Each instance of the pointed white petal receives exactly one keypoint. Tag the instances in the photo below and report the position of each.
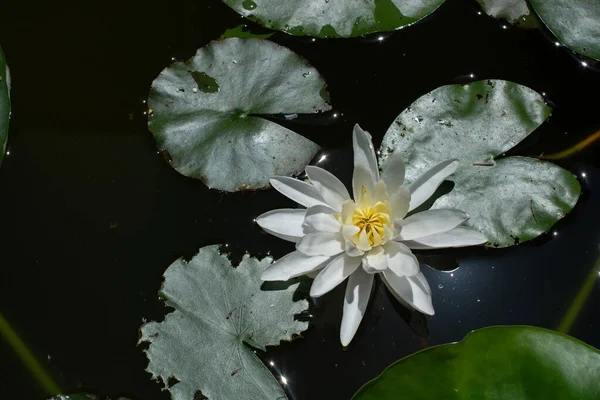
(293, 265)
(348, 231)
(400, 202)
(361, 177)
(428, 223)
(375, 260)
(461, 236)
(285, 223)
(356, 300)
(393, 176)
(329, 187)
(400, 259)
(321, 244)
(333, 274)
(321, 219)
(352, 250)
(425, 185)
(297, 190)
(364, 152)
(380, 192)
(411, 290)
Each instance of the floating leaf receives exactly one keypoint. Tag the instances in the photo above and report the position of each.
(510, 200)
(514, 11)
(241, 31)
(334, 18)
(206, 113)
(576, 23)
(83, 396)
(508, 363)
(219, 309)
(4, 103)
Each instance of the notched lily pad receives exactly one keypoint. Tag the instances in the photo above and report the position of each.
(334, 18)
(203, 346)
(508, 363)
(206, 113)
(4, 103)
(510, 200)
(576, 23)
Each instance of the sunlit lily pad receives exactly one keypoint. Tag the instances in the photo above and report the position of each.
(220, 313)
(207, 113)
(4, 103)
(508, 363)
(514, 11)
(576, 23)
(510, 200)
(334, 18)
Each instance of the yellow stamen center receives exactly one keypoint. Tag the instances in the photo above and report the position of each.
(371, 221)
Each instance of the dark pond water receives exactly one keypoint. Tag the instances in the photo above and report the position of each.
(92, 215)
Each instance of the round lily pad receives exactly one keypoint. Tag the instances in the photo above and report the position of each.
(515, 12)
(510, 200)
(334, 18)
(576, 23)
(508, 363)
(207, 114)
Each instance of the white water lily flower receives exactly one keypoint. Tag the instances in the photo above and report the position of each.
(356, 239)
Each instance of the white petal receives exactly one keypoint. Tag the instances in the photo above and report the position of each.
(364, 152)
(400, 259)
(361, 177)
(352, 250)
(400, 202)
(393, 176)
(321, 244)
(285, 223)
(411, 290)
(427, 223)
(380, 192)
(329, 187)
(461, 236)
(297, 190)
(293, 265)
(375, 260)
(357, 296)
(334, 273)
(321, 218)
(348, 231)
(425, 185)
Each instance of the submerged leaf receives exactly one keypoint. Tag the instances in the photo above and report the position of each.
(219, 310)
(206, 113)
(510, 200)
(334, 18)
(576, 23)
(4, 103)
(508, 363)
(83, 396)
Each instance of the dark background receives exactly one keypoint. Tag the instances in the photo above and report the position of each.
(92, 215)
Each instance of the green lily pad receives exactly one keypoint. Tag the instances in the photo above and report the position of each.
(510, 200)
(576, 23)
(4, 104)
(508, 363)
(334, 18)
(515, 12)
(83, 396)
(241, 31)
(219, 312)
(207, 113)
